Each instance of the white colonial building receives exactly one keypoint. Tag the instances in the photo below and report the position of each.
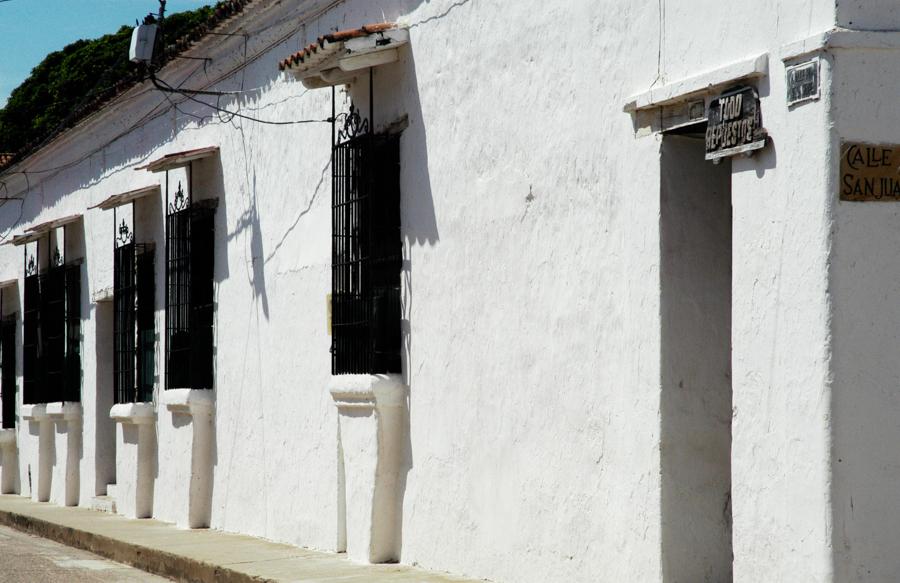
(526, 291)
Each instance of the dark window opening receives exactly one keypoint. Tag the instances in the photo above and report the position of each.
(190, 296)
(52, 335)
(146, 323)
(366, 255)
(133, 324)
(8, 370)
(31, 345)
(71, 388)
(53, 327)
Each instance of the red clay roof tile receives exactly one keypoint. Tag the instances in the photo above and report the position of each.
(334, 37)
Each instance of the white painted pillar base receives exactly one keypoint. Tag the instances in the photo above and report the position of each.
(135, 458)
(193, 408)
(9, 463)
(372, 429)
(42, 426)
(66, 422)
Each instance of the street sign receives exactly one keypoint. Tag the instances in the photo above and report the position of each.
(734, 124)
(870, 172)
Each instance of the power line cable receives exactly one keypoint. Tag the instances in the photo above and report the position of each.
(155, 112)
(165, 87)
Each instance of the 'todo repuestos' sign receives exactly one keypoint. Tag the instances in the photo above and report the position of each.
(870, 172)
(734, 124)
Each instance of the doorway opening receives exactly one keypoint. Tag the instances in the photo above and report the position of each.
(105, 428)
(695, 409)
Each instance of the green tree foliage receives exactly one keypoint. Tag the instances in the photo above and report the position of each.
(66, 81)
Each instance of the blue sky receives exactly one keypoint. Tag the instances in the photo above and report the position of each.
(29, 29)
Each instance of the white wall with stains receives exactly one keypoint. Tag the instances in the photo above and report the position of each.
(864, 275)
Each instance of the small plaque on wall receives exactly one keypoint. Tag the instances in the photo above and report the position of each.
(870, 172)
(734, 124)
(802, 82)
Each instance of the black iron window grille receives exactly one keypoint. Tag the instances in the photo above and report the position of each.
(8, 370)
(51, 343)
(189, 293)
(53, 327)
(32, 383)
(71, 388)
(146, 323)
(134, 330)
(61, 332)
(366, 250)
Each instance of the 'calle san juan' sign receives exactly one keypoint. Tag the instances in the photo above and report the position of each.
(734, 124)
(870, 172)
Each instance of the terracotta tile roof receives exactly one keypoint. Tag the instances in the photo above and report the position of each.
(35, 232)
(46, 226)
(321, 43)
(179, 159)
(224, 10)
(126, 197)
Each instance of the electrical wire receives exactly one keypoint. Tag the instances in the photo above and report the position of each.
(155, 111)
(226, 74)
(165, 87)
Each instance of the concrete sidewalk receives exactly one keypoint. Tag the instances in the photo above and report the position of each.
(196, 555)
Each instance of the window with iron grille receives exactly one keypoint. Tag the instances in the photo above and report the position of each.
(32, 382)
(366, 251)
(8, 370)
(189, 296)
(53, 328)
(52, 335)
(72, 381)
(133, 323)
(146, 323)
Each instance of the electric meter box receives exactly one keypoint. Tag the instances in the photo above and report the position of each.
(143, 38)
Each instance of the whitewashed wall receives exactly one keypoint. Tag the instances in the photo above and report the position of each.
(865, 278)
(531, 284)
(781, 346)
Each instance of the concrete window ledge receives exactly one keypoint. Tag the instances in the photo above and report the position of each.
(363, 391)
(188, 401)
(7, 438)
(190, 429)
(33, 412)
(59, 450)
(133, 413)
(373, 428)
(64, 411)
(9, 471)
(136, 457)
(102, 295)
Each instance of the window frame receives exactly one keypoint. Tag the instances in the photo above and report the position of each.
(51, 354)
(366, 250)
(190, 290)
(134, 316)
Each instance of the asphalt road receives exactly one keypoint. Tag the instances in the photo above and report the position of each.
(30, 559)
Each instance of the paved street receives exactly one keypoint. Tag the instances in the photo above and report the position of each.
(29, 559)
